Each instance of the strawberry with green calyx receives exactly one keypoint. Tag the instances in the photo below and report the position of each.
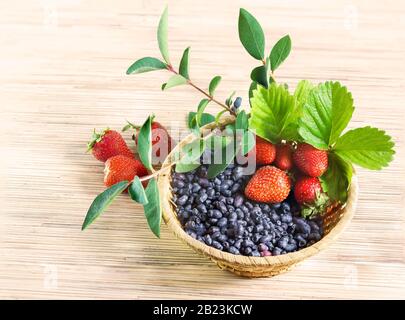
(121, 168)
(309, 194)
(269, 184)
(107, 144)
(310, 161)
(284, 160)
(264, 151)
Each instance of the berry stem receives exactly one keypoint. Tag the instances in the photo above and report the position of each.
(211, 98)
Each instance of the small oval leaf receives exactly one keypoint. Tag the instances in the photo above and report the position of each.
(259, 75)
(144, 143)
(200, 110)
(102, 201)
(280, 52)
(242, 121)
(162, 35)
(183, 69)
(145, 65)
(251, 34)
(174, 81)
(137, 192)
(221, 159)
(248, 142)
(214, 84)
(182, 167)
(153, 209)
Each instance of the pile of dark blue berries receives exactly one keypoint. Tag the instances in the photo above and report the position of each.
(216, 213)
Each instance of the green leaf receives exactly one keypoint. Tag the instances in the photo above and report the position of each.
(280, 52)
(200, 110)
(191, 152)
(259, 75)
(251, 34)
(368, 147)
(217, 141)
(327, 111)
(214, 84)
(181, 167)
(145, 65)
(242, 121)
(137, 192)
(153, 209)
(162, 35)
(102, 201)
(302, 91)
(229, 100)
(222, 158)
(274, 113)
(145, 144)
(174, 81)
(183, 69)
(336, 180)
(248, 142)
(206, 118)
(253, 86)
(219, 115)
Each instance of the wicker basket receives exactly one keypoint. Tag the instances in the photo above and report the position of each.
(334, 223)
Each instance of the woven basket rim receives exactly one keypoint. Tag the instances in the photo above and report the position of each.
(170, 218)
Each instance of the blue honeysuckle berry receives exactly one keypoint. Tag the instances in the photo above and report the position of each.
(237, 103)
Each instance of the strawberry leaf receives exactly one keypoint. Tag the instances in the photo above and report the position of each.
(336, 180)
(183, 69)
(162, 35)
(251, 34)
(153, 209)
(368, 147)
(102, 201)
(327, 111)
(145, 144)
(274, 113)
(280, 52)
(145, 65)
(137, 192)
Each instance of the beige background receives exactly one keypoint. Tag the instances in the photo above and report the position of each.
(62, 72)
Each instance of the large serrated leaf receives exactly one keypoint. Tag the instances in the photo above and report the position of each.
(145, 65)
(102, 201)
(336, 180)
(274, 113)
(368, 147)
(326, 113)
(153, 209)
(251, 34)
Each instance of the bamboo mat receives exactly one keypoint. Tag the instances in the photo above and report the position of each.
(63, 73)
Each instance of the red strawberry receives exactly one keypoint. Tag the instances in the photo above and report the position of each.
(265, 151)
(307, 189)
(108, 144)
(308, 192)
(121, 168)
(284, 159)
(161, 136)
(311, 161)
(269, 184)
